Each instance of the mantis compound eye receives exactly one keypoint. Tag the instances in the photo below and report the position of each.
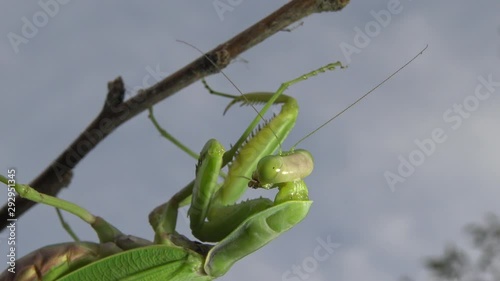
(275, 169)
(269, 169)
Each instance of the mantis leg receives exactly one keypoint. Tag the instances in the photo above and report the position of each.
(176, 142)
(170, 137)
(163, 218)
(104, 230)
(66, 226)
(54, 261)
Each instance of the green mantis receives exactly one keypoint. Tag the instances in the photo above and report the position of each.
(233, 229)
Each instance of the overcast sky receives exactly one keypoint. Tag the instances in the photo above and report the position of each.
(432, 129)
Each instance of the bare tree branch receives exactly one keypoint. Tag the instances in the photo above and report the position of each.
(116, 112)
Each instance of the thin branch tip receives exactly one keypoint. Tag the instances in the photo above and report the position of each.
(116, 93)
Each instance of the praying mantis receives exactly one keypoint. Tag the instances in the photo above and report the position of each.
(229, 230)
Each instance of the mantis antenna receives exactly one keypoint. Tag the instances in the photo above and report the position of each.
(360, 98)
